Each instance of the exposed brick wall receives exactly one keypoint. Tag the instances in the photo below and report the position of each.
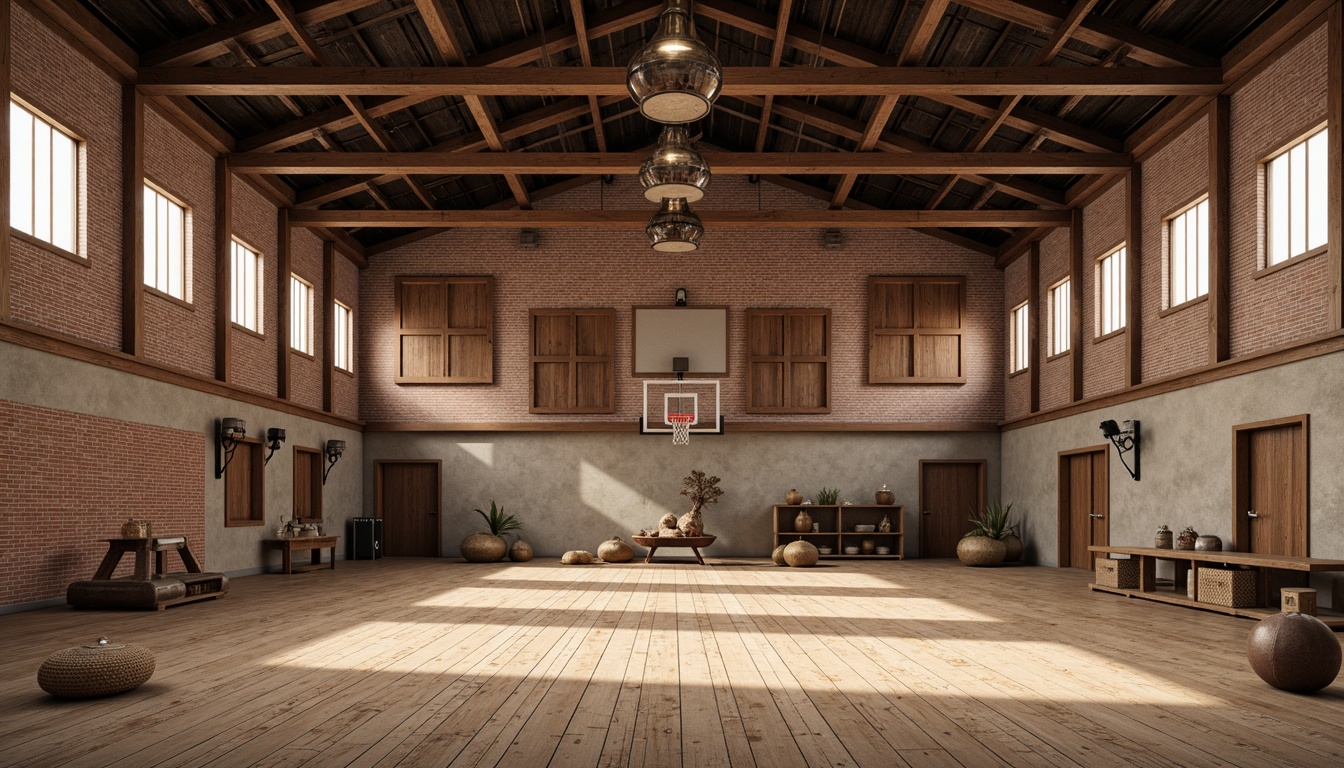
(1054, 268)
(254, 220)
(68, 480)
(1287, 98)
(305, 374)
(1103, 229)
(184, 337)
(1172, 178)
(1017, 394)
(345, 386)
(79, 299)
(741, 269)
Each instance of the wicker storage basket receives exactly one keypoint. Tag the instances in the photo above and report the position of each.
(1121, 574)
(1226, 587)
(96, 669)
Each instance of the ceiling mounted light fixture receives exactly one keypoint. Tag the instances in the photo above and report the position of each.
(675, 78)
(674, 228)
(674, 169)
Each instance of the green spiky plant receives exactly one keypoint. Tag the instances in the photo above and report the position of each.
(499, 522)
(995, 521)
(828, 496)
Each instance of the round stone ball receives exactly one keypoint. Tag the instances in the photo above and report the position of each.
(778, 555)
(801, 554)
(100, 668)
(1294, 652)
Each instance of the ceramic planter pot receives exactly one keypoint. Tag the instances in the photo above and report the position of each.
(520, 552)
(981, 551)
(484, 548)
(803, 522)
(1015, 548)
(793, 498)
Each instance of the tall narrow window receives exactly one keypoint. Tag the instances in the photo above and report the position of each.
(247, 286)
(1061, 329)
(1296, 200)
(300, 315)
(1020, 341)
(343, 324)
(1188, 254)
(43, 179)
(1111, 291)
(165, 244)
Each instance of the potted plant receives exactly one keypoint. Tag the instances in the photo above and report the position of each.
(828, 496)
(991, 537)
(490, 547)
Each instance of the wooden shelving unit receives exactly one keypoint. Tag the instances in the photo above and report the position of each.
(837, 528)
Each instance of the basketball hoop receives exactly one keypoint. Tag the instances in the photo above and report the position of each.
(681, 427)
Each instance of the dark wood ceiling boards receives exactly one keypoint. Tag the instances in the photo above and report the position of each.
(989, 108)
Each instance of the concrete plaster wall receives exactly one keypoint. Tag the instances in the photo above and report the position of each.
(51, 381)
(1187, 452)
(573, 490)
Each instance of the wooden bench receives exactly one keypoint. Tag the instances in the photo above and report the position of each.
(1187, 564)
(314, 544)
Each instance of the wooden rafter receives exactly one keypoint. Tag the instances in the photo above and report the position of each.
(249, 29)
(610, 81)
(741, 163)
(776, 55)
(774, 220)
(586, 56)
(913, 50)
(450, 48)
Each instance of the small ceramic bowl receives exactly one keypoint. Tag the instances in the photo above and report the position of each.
(865, 528)
(884, 550)
(824, 550)
(851, 550)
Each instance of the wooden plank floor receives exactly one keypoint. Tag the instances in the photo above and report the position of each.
(859, 663)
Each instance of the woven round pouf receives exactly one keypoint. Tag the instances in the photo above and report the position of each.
(97, 669)
(1294, 652)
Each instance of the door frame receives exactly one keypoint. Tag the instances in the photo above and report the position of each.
(438, 495)
(1241, 443)
(1064, 525)
(980, 494)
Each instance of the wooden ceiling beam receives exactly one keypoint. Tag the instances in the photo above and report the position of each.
(586, 56)
(773, 220)
(743, 163)
(911, 53)
(776, 55)
(610, 81)
(80, 23)
(250, 29)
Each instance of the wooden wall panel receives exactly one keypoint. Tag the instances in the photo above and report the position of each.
(788, 362)
(573, 361)
(915, 330)
(446, 327)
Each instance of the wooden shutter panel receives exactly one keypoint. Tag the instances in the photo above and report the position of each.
(916, 330)
(445, 330)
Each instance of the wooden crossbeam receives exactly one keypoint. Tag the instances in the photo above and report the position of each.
(744, 163)
(770, 219)
(610, 81)
(249, 29)
(586, 56)
(776, 55)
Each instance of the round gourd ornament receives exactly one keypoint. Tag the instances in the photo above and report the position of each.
(801, 554)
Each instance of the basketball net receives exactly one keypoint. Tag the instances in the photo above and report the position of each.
(681, 427)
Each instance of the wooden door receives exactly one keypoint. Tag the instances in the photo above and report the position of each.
(1084, 505)
(949, 493)
(1270, 512)
(408, 503)
(307, 485)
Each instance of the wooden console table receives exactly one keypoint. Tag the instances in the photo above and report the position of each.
(654, 542)
(1188, 562)
(314, 544)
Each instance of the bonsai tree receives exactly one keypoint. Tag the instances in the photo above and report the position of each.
(701, 490)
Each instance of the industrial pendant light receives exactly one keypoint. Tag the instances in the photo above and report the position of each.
(674, 169)
(675, 78)
(674, 228)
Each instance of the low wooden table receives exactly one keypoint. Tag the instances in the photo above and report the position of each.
(654, 542)
(1188, 562)
(159, 545)
(314, 544)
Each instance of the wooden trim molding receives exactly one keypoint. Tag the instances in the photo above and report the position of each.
(1327, 344)
(5, 60)
(1034, 327)
(1133, 277)
(630, 426)
(133, 221)
(43, 340)
(223, 269)
(1076, 288)
(284, 268)
(1335, 162)
(328, 322)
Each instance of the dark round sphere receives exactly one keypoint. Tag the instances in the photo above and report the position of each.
(1294, 652)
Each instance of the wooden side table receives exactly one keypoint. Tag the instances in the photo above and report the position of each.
(313, 544)
(159, 545)
(654, 542)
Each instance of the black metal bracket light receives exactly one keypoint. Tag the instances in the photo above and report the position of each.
(1125, 437)
(274, 437)
(332, 453)
(227, 434)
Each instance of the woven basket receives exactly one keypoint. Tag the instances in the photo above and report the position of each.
(1121, 574)
(96, 669)
(1226, 587)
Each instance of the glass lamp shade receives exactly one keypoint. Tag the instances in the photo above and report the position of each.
(675, 78)
(674, 169)
(674, 228)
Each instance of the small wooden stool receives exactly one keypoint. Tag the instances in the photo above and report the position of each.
(1298, 600)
